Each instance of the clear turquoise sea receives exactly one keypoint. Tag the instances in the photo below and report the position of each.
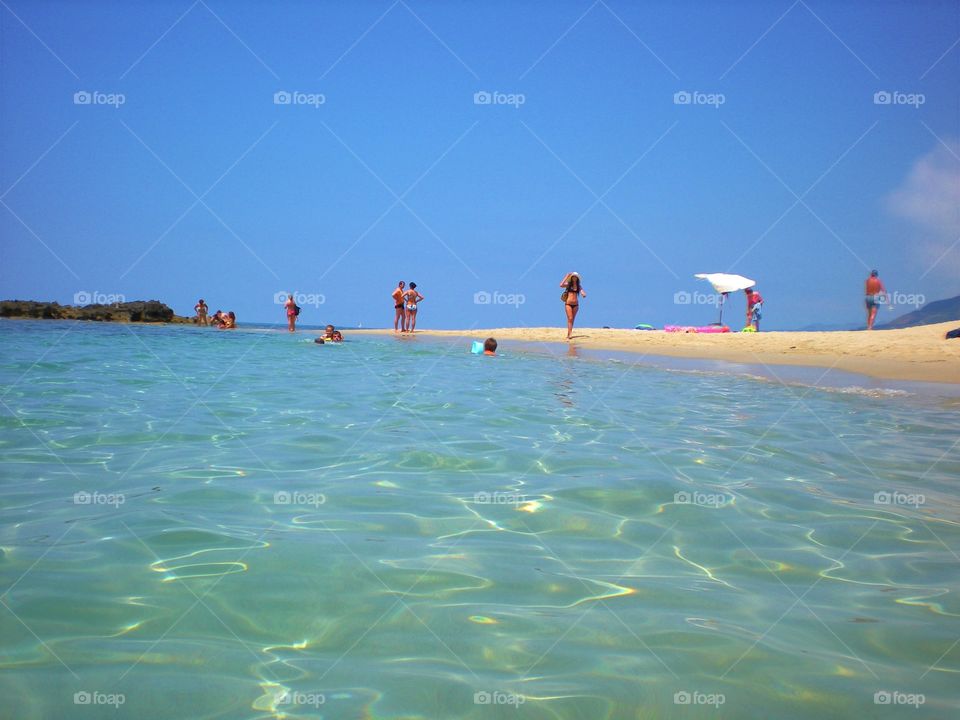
(203, 524)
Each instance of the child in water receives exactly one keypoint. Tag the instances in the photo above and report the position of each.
(489, 347)
(330, 334)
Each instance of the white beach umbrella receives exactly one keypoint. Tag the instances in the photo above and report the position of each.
(725, 283)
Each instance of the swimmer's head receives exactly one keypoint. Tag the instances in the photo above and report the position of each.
(490, 345)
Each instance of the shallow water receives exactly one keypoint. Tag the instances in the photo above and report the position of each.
(246, 525)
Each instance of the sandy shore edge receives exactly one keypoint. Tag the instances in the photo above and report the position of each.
(911, 354)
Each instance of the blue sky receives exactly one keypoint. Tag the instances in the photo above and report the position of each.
(783, 167)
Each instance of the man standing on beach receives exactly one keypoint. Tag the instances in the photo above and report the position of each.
(399, 317)
(873, 296)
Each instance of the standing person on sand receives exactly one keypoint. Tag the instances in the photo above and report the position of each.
(571, 295)
(410, 300)
(292, 309)
(754, 308)
(873, 295)
(201, 309)
(399, 318)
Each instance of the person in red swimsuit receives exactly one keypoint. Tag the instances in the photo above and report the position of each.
(291, 307)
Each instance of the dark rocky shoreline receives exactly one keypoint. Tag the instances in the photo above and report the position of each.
(144, 311)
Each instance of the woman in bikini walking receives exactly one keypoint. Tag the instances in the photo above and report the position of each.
(571, 295)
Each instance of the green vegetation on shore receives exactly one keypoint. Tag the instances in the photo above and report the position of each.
(149, 311)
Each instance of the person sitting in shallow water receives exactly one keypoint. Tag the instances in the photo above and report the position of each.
(217, 320)
(331, 334)
(229, 322)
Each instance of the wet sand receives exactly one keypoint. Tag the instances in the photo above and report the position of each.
(914, 354)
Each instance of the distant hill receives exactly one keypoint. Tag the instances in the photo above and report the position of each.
(935, 312)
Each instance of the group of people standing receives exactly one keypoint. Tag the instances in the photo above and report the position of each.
(219, 320)
(405, 302)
